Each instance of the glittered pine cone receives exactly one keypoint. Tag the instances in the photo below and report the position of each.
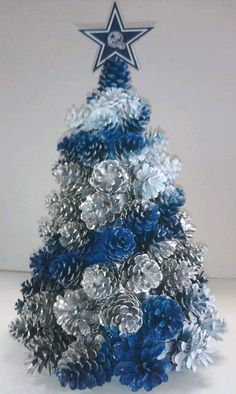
(76, 313)
(99, 281)
(140, 274)
(86, 363)
(121, 314)
(109, 177)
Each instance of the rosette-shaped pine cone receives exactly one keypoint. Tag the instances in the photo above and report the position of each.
(119, 244)
(73, 234)
(141, 361)
(163, 316)
(66, 268)
(38, 309)
(76, 313)
(121, 314)
(46, 349)
(99, 281)
(192, 348)
(149, 181)
(88, 148)
(86, 363)
(73, 179)
(61, 207)
(140, 274)
(177, 276)
(109, 177)
(99, 209)
(141, 217)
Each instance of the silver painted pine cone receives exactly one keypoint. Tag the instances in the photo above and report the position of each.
(47, 229)
(38, 308)
(109, 177)
(140, 274)
(99, 281)
(85, 348)
(99, 209)
(73, 234)
(61, 207)
(177, 275)
(73, 179)
(186, 224)
(122, 312)
(76, 314)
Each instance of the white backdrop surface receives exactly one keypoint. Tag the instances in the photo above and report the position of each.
(188, 73)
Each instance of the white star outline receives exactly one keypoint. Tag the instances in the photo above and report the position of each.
(115, 13)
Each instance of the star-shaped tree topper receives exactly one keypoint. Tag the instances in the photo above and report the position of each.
(115, 39)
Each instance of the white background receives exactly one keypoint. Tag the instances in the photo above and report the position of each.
(188, 73)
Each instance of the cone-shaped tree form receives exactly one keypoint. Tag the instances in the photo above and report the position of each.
(118, 287)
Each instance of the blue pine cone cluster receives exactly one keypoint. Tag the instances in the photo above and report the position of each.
(118, 287)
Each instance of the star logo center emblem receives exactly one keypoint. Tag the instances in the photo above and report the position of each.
(115, 39)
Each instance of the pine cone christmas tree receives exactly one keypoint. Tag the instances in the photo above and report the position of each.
(118, 287)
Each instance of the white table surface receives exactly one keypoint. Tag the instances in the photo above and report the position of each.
(219, 378)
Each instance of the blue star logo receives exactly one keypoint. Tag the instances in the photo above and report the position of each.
(115, 39)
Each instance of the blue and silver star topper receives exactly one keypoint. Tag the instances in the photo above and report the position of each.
(115, 39)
